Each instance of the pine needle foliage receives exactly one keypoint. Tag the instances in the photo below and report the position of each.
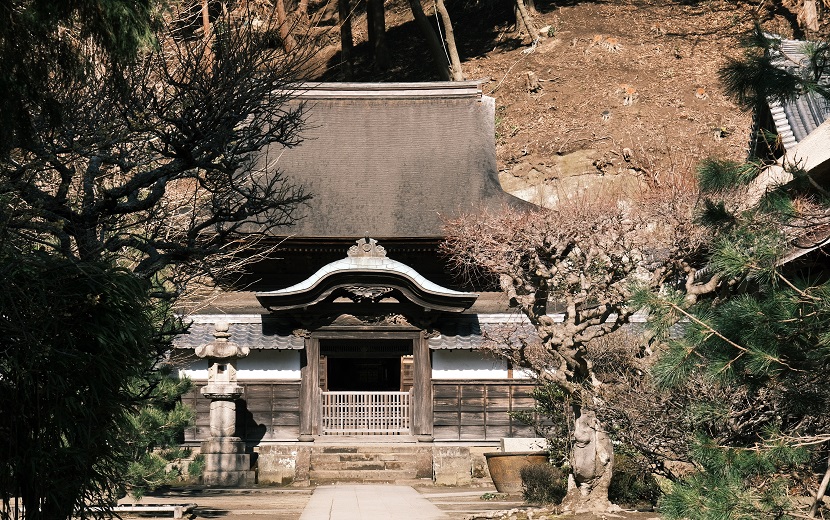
(724, 474)
(716, 175)
(766, 340)
(155, 433)
(760, 335)
(755, 78)
(80, 349)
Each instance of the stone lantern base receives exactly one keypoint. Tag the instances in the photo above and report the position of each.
(226, 463)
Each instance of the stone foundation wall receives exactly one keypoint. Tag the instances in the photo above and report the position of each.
(303, 464)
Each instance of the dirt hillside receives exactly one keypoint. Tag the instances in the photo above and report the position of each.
(627, 92)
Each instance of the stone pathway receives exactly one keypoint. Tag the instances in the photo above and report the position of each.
(369, 502)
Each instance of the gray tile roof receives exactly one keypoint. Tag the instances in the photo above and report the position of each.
(795, 120)
(466, 332)
(251, 335)
(470, 333)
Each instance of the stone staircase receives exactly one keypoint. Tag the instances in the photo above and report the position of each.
(370, 463)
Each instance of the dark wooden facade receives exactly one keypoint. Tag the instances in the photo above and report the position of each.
(268, 411)
(462, 410)
(480, 410)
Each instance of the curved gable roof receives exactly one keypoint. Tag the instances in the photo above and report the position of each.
(367, 274)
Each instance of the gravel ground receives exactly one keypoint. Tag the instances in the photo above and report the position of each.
(288, 503)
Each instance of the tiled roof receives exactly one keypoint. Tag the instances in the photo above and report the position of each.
(467, 332)
(471, 333)
(251, 335)
(794, 120)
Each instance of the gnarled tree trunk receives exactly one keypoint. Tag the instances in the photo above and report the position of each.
(288, 42)
(592, 463)
(436, 50)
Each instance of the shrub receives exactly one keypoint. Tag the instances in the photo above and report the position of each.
(632, 484)
(543, 483)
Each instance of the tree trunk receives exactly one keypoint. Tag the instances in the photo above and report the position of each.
(376, 20)
(528, 22)
(436, 50)
(207, 33)
(592, 463)
(288, 42)
(205, 20)
(370, 27)
(520, 24)
(346, 39)
(449, 37)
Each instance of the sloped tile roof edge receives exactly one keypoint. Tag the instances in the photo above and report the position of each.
(462, 332)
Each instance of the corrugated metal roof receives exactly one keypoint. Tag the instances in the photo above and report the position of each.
(794, 120)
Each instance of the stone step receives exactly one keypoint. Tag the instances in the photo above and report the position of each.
(372, 448)
(334, 458)
(366, 465)
(376, 476)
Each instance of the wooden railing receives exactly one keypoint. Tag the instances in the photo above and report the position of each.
(365, 413)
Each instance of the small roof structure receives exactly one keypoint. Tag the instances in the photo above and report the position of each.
(795, 120)
(392, 159)
(367, 275)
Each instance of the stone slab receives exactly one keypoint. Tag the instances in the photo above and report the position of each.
(369, 502)
(451, 466)
(228, 478)
(222, 445)
(510, 444)
(227, 462)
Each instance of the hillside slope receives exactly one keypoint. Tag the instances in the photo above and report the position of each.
(627, 92)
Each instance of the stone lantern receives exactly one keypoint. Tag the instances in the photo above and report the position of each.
(226, 463)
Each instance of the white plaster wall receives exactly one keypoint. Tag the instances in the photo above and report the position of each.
(259, 364)
(270, 364)
(466, 364)
(196, 369)
(521, 373)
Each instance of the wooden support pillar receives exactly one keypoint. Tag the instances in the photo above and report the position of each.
(422, 390)
(309, 389)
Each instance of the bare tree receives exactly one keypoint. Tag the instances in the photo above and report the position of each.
(157, 163)
(571, 272)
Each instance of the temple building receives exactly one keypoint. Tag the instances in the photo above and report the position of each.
(357, 332)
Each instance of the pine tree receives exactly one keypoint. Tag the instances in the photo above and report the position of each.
(763, 334)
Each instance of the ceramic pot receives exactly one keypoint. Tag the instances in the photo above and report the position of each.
(505, 467)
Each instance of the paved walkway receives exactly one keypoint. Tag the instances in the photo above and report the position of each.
(369, 502)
